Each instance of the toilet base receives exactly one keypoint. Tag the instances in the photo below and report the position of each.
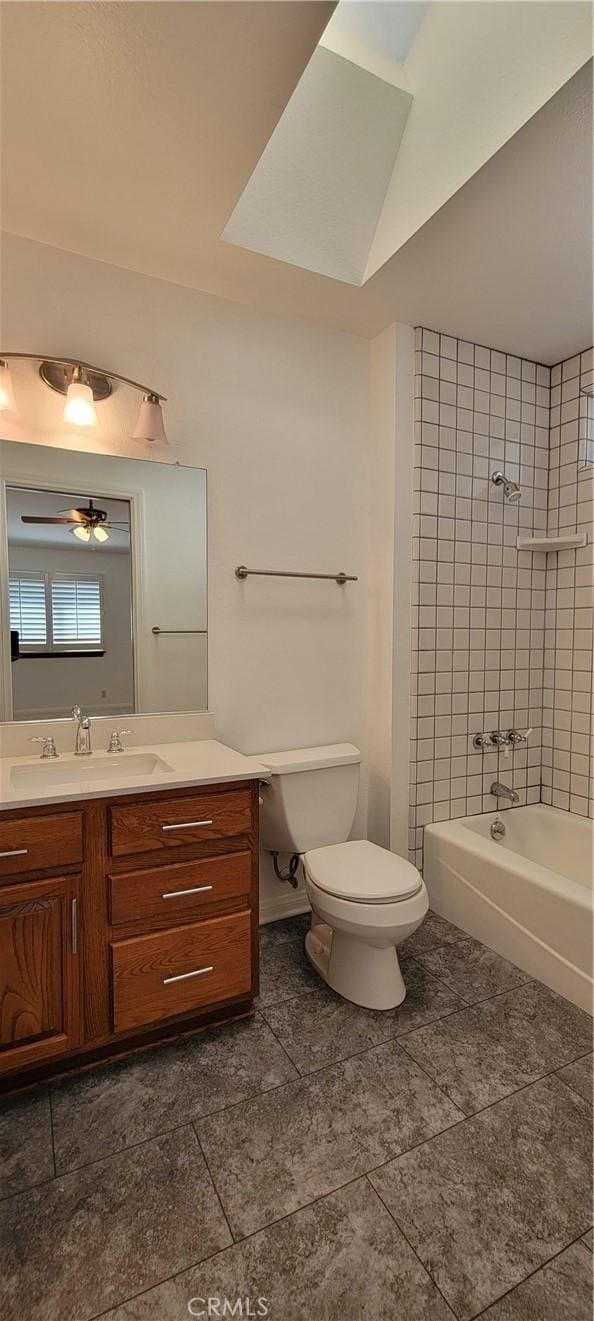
(366, 974)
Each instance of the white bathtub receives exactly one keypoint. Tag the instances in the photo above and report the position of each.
(528, 896)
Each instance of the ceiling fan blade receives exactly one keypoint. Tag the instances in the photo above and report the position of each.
(76, 515)
(31, 518)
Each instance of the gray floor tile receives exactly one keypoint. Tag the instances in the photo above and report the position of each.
(26, 1155)
(433, 932)
(588, 1239)
(342, 1259)
(273, 1155)
(563, 1288)
(88, 1240)
(321, 1028)
(472, 970)
(495, 1198)
(482, 1054)
(580, 1075)
(285, 970)
(129, 1101)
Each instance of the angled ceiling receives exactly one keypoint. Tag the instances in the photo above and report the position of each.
(130, 130)
(359, 161)
(317, 191)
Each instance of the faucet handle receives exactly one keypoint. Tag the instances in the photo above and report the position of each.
(49, 744)
(115, 740)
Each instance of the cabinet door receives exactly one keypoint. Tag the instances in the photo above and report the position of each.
(39, 977)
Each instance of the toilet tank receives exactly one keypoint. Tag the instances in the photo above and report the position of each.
(311, 798)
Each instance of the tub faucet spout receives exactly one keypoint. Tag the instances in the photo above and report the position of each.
(502, 791)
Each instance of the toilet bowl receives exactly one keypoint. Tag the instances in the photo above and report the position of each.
(365, 900)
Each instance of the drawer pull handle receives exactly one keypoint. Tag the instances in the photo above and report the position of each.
(14, 853)
(186, 825)
(196, 889)
(74, 925)
(183, 976)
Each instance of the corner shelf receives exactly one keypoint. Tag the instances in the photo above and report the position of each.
(548, 544)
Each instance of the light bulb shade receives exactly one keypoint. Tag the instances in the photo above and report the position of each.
(82, 532)
(100, 533)
(80, 406)
(7, 399)
(149, 425)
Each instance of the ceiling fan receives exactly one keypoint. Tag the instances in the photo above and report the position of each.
(89, 522)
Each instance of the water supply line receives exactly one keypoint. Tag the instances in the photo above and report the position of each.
(290, 874)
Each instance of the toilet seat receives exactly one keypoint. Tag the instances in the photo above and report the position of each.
(362, 872)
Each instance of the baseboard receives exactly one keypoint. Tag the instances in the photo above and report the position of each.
(286, 905)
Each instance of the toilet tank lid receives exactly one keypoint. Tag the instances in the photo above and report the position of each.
(310, 759)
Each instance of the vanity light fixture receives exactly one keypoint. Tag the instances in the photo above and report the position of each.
(84, 386)
(7, 399)
(80, 404)
(149, 424)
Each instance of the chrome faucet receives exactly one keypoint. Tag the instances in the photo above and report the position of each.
(502, 791)
(82, 739)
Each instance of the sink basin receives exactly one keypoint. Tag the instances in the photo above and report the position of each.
(87, 770)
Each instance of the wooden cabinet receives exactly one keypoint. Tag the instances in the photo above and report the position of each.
(33, 843)
(39, 971)
(180, 822)
(179, 891)
(123, 920)
(169, 973)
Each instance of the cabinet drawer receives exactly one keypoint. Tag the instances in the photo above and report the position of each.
(181, 890)
(172, 822)
(172, 972)
(29, 843)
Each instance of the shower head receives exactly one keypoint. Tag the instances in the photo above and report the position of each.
(511, 489)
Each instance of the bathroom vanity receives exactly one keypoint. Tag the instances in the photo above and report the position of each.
(128, 913)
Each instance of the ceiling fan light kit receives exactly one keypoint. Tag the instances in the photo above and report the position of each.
(84, 386)
(88, 523)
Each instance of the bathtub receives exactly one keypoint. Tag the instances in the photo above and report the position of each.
(528, 895)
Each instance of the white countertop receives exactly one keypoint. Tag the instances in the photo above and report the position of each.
(106, 774)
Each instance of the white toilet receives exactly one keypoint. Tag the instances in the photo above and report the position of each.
(365, 900)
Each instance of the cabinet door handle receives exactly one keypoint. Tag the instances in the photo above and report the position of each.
(74, 925)
(196, 889)
(186, 825)
(183, 976)
(14, 853)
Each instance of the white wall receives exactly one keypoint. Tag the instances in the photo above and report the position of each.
(275, 410)
(46, 687)
(390, 471)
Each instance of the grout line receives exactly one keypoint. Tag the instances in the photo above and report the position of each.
(216, 1191)
(476, 1315)
(28, 1188)
(52, 1135)
(422, 1264)
(203, 1261)
(551, 1073)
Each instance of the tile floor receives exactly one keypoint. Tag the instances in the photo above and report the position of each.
(425, 1164)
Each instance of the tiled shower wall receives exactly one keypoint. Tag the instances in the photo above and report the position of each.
(478, 603)
(478, 661)
(567, 715)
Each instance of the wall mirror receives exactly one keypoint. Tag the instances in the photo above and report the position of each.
(103, 584)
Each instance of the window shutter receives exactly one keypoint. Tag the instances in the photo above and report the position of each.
(76, 611)
(27, 608)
